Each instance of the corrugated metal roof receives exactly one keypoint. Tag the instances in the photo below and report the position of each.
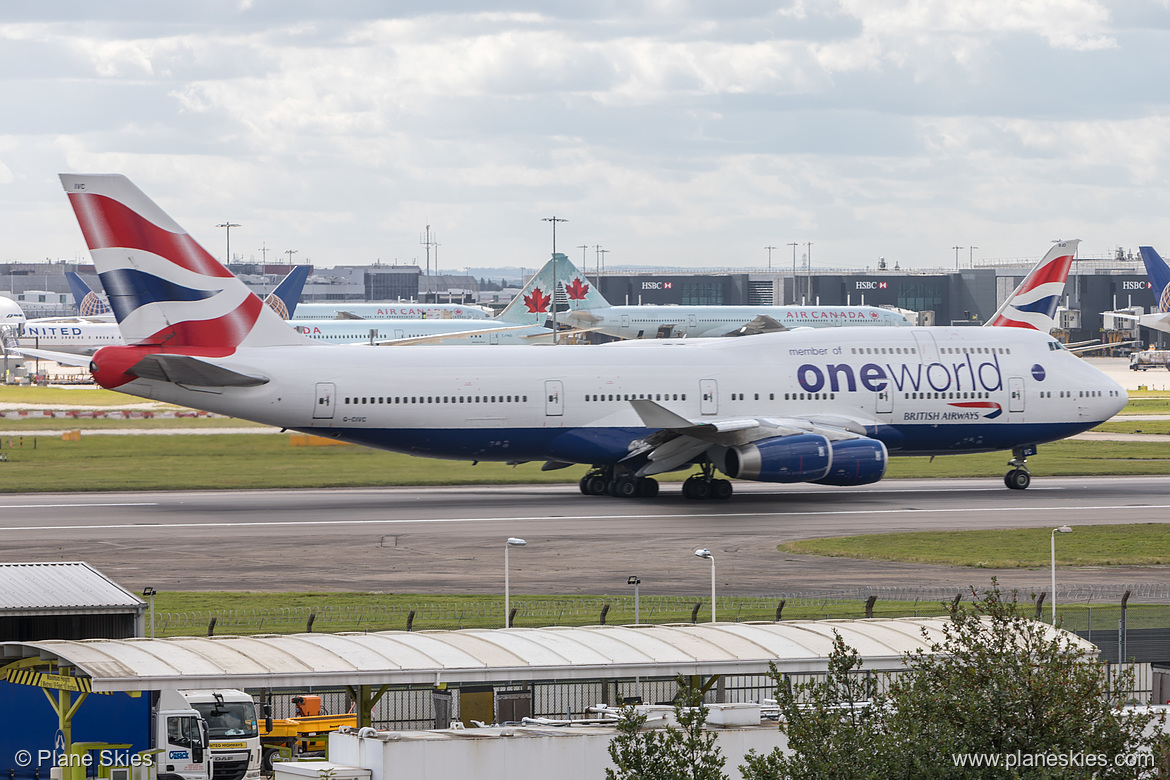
(483, 655)
(54, 588)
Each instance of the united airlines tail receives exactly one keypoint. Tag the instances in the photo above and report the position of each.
(165, 289)
(1159, 274)
(88, 303)
(1033, 304)
(533, 305)
(284, 299)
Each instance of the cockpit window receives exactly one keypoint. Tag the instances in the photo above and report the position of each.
(1056, 346)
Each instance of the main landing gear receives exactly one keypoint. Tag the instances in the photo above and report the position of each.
(1019, 477)
(699, 487)
(607, 480)
(600, 482)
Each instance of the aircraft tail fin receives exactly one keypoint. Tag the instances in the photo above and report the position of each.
(88, 303)
(1033, 304)
(533, 305)
(1159, 274)
(164, 288)
(284, 299)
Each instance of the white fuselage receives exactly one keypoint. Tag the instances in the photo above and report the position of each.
(919, 390)
(391, 310)
(81, 336)
(654, 321)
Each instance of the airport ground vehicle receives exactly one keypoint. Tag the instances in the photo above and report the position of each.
(1149, 358)
(98, 735)
(304, 734)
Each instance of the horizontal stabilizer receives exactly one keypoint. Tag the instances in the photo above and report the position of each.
(186, 370)
(761, 324)
(64, 358)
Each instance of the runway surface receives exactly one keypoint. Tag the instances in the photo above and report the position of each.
(450, 540)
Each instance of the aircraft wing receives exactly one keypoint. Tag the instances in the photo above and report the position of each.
(347, 315)
(761, 324)
(1093, 346)
(678, 440)
(187, 370)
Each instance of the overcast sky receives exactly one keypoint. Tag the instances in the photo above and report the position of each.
(668, 132)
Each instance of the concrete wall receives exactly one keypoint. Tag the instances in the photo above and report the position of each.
(567, 753)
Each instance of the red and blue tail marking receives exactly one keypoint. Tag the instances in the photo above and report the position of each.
(165, 289)
(1033, 304)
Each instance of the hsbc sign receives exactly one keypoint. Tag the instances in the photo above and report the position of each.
(657, 285)
(871, 285)
(1136, 286)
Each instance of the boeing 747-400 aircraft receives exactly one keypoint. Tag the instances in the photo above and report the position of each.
(826, 406)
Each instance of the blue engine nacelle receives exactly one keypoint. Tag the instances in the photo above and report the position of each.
(856, 462)
(804, 458)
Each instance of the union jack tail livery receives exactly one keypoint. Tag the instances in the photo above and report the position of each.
(166, 291)
(1159, 274)
(1033, 304)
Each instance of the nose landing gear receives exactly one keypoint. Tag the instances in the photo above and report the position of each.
(1019, 477)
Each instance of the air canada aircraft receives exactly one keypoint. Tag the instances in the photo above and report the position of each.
(825, 406)
(583, 306)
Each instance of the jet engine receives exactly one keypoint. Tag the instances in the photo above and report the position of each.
(801, 458)
(856, 462)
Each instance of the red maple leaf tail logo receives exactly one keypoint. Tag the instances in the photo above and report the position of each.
(577, 291)
(537, 302)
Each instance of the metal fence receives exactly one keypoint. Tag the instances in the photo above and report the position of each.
(1092, 611)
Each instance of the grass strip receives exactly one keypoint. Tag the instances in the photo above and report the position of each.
(1139, 544)
(214, 461)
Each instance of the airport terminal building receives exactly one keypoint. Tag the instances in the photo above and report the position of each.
(966, 295)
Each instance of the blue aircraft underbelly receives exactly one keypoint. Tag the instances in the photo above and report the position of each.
(609, 445)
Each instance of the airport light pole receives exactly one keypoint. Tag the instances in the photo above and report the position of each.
(795, 294)
(971, 255)
(554, 221)
(512, 542)
(149, 593)
(957, 248)
(769, 248)
(633, 580)
(705, 553)
(808, 268)
(1064, 529)
(227, 229)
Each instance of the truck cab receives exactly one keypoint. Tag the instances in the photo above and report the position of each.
(182, 743)
(232, 729)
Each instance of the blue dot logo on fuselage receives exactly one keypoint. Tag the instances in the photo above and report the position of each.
(1038, 372)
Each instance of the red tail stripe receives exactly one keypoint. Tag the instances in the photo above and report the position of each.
(107, 223)
(1055, 271)
(221, 335)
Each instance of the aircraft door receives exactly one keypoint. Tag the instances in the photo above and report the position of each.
(927, 349)
(708, 397)
(554, 398)
(625, 322)
(399, 333)
(885, 402)
(493, 338)
(323, 408)
(1015, 394)
(692, 325)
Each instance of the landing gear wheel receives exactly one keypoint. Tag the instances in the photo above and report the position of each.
(623, 487)
(721, 489)
(1017, 479)
(696, 488)
(593, 485)
(647, 488)
(584, 485)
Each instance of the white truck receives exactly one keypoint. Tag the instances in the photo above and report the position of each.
(233, 730)
(1149, 358)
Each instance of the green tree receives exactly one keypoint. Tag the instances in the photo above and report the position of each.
(996, 684)
(685, 752)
